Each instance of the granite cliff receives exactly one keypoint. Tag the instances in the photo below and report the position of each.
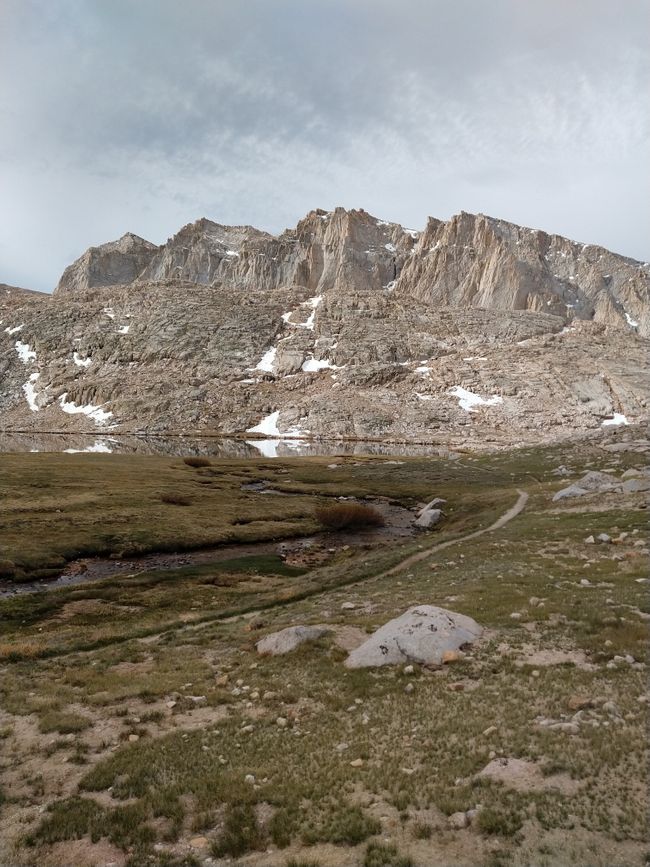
(473, 330)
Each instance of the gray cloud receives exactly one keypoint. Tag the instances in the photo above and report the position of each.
(142, 115)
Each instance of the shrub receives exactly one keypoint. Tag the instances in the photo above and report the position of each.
(422, 831)
(494, 821)
(176, 499)
(197, 462)
(62, 722)
(381, 855)
(344, 516)
(241, 832)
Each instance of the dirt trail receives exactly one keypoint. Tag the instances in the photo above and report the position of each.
(422, 555)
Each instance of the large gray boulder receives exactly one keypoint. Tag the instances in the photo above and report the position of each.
(288, 639)
(428, 518)
(423, 634)
(592, 482)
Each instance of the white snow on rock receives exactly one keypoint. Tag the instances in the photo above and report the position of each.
(390, 247)
(268, 360)
(96, 413)
(109, 312)
(98, 446)
(81, 362)
(123, 329)
(631, 322)
(423, 634)
(311, 365)
(423, 369)
(232, 253)
(30, 392)
(24, 352)
(467, 400)
(618, 418)
(313, 303)
(269, 427)
(286, 317)
(15, 329)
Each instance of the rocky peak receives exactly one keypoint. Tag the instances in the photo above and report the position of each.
(112, 264)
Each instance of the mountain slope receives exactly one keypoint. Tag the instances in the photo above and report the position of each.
(475, 330)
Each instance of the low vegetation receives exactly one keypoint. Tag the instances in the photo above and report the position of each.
(136, 712)
(349, 516)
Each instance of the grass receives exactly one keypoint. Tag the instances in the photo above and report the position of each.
(189, 770)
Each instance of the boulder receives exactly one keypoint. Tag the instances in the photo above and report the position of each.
(423, 634)
(288, 639)
(591, 482)
(428, 518)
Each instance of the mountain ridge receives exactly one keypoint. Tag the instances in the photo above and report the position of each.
(472, 331)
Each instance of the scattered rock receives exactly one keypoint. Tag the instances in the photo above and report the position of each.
(356, 763)
(348, 606)
(422, 634)
(428, 518)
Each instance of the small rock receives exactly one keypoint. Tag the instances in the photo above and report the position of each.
(249, 778)
(489, 730)
(134, 738)
(199, 842)
(579, 702)
(348, 606)
(458, 820)
(451, 656)
(268, 695)
(409, 688)
(222, 680)
(516, 615)
(356, 763)
(604, 537)
(248, 729)
(170, 704)
(408, 669)
(458, 686)
(590, 540)
(282, 722)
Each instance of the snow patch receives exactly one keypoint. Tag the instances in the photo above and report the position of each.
(30, 392)
(24, 352)
(267, 360)
(618, 419)
(123, 329)
(467, 400)
(312, 365)
(391, 248)
(15, 329)
(423, 369)
(269, 427)
(96, 413)
(232, 253)
(631, 322)
(109, 312)
(81, 362)
(313, 303)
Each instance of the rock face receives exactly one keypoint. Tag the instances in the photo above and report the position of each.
(423, 634)
(112, 264)
(474, 331)
(288, 639)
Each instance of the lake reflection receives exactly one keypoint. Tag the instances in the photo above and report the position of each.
(219, 447)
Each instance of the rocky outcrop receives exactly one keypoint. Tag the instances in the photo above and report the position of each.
(478, 261)
(113, 264)
(286, 640)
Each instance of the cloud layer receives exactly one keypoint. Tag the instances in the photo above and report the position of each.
(143, 115)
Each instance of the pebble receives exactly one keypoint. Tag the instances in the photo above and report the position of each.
(348, 606)
(282, 722)
(408, 669)
(409, 688)
(249, 778)
(356, 763)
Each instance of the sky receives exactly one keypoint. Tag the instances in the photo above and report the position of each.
(144, 115)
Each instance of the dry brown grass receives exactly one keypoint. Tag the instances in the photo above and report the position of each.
(349, 516)
(197, 462)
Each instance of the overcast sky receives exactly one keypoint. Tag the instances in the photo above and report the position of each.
(143, 115)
